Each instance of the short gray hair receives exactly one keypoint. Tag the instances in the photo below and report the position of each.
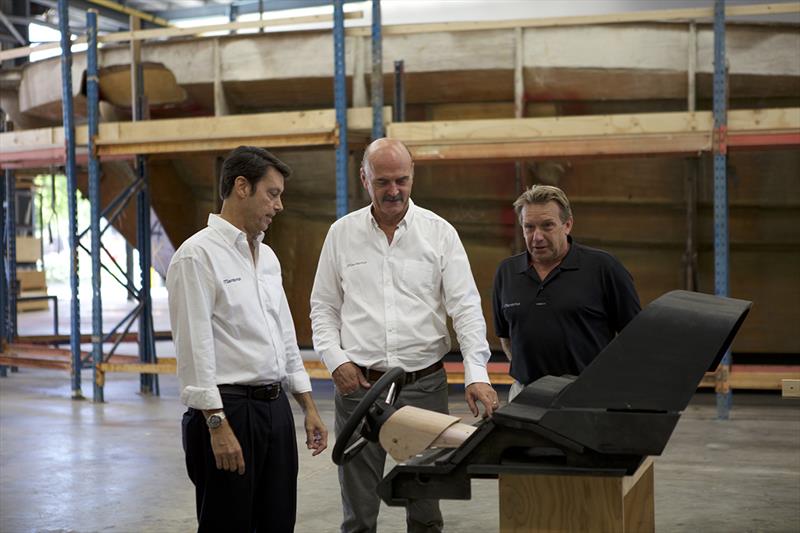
(541, 194)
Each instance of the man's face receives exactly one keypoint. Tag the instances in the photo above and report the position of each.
(388, 180)
(545, 234)
(264, 203)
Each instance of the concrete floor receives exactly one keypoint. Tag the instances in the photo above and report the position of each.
(75, 466)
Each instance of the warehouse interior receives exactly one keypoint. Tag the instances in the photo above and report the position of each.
(673, 126)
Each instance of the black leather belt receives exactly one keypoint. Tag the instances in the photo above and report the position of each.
(373, 375)
(255, 392)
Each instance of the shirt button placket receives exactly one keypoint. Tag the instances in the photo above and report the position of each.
(390, 310)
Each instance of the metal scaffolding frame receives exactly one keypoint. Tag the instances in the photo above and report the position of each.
(340, 102)
(720, 150)
(139, 189)
(72, 193)
(378, 130)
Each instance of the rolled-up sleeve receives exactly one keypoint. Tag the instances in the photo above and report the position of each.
(297, 380)
(326, 307)
(191, 300)
(463, 304)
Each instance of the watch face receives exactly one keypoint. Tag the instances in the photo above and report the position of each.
(214, 421)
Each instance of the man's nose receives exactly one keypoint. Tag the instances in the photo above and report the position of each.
(393, 189)
(278, 205)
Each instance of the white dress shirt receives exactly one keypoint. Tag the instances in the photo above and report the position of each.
(384, 305)
(230, 318)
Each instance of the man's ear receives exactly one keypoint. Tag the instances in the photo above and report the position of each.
(241, 187)
(568, 225)
(363, 178)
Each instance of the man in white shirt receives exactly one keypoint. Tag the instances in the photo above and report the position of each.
(388, 276)
(238, 356)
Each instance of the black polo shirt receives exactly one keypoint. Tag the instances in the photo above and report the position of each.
(557, 326)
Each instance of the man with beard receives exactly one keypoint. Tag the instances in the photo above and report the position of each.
(388, 276)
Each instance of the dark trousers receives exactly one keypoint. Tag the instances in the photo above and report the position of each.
(264, 498)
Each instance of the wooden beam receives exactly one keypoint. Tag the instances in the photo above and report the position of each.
(496, 139)
(162, 33)
(183, 135)
(502, 130)
(142, 15)
(34, 362)
(136, 368)
(587, 136)
(662, 15)
(600, 146)
(221, 107)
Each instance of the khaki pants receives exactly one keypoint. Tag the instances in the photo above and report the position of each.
(359, 478)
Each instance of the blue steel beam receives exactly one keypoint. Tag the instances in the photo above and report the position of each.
(721, 246)
(92, 97)
(11, 250)
(5, 285)
(340, 101)
(3, 279)
(147, 353)
(377, 72)
(72, 193)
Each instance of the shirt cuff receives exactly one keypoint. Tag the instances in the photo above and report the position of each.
(200, 398)
(334, 358)
(298, 383)
(475, 374)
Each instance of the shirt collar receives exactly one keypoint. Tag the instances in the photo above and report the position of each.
(405, 222)
(229, 232)
(571, 261)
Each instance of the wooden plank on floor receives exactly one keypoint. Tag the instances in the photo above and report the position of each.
(34, 362)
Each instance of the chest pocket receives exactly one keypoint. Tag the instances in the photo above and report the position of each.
(418, 276)
(271, 286)
(354, 274)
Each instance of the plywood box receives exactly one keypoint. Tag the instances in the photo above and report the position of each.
(32, 283)
(32, 280)
(29, 249)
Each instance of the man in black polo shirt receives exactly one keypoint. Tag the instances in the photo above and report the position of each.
(558, 304)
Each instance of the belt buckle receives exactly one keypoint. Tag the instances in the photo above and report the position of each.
(273, 391)
(267, 392)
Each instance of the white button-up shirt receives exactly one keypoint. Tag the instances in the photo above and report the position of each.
(384, 305)
(230, 318)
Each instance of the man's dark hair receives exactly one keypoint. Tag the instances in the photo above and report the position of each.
(251, 163)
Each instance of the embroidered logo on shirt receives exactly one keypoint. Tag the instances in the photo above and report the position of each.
(514, 304)
(231, 280)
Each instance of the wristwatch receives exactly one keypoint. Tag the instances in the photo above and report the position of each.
(214, 421)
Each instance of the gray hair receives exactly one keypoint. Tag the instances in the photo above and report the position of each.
(541, 194)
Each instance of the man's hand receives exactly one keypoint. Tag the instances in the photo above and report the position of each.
(227, 451)
(316, 433)
(484, 393)
(348, 378)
